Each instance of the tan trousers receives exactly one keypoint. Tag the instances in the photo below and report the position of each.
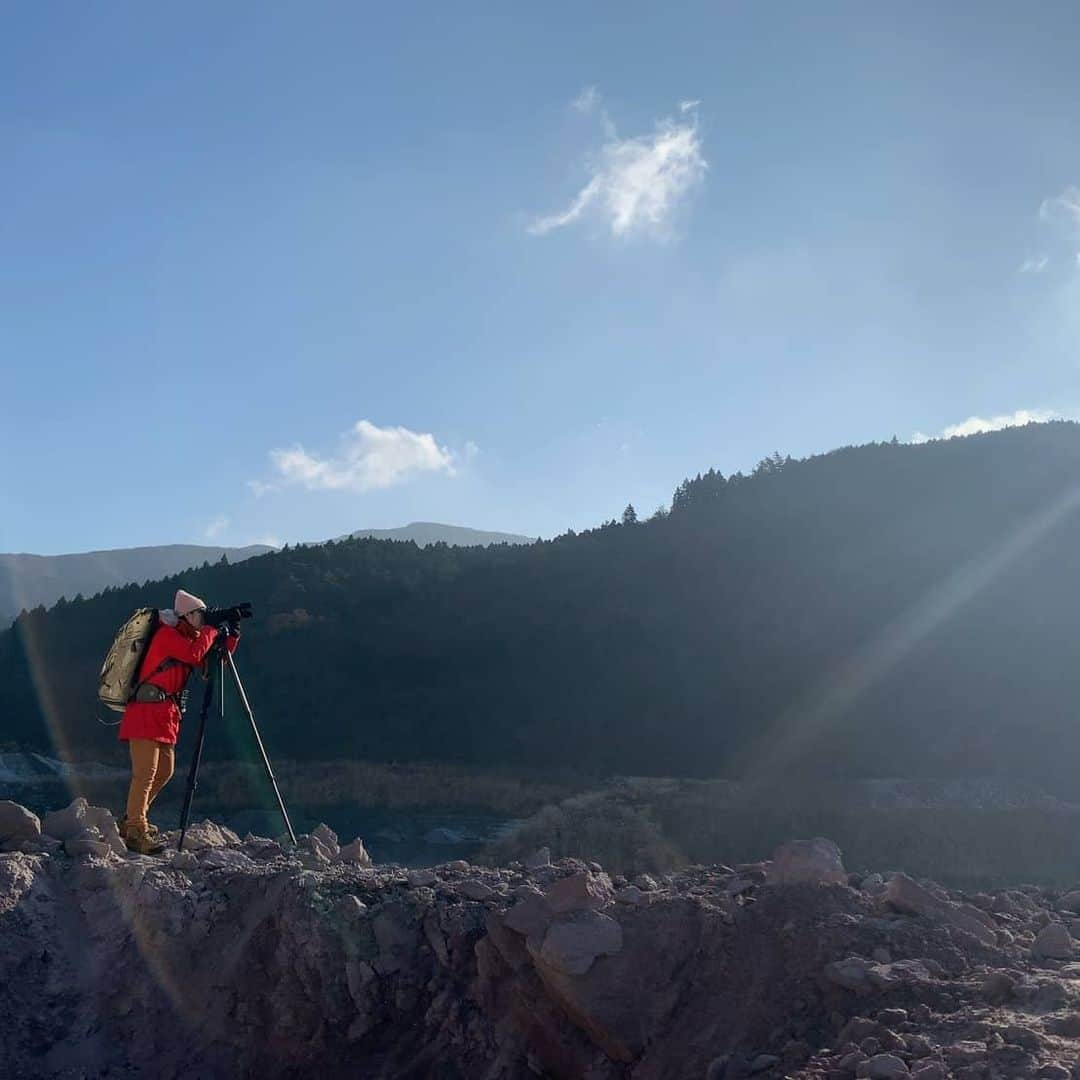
(151, 769)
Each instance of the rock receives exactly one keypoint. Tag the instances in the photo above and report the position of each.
(573, 943)
(475, 889)
(419, 879)
(892, 1017)
(222, 859)
(856, 1029)
(530, 917)
(998, 987)
(312, 845)
(906, 895)
(1070, 902)
(328, 838)
(645, 883)
(351, 908)
(814, 861)
(717, 1068)
(1019, 1035)
(918, 1046)
(852, 973)
(579, 892)
(1053, 941)
(763, 1062)
(184, 860)
(1068, 1026)
(355, 853)
(459, 866)
(1053, 1071)
(850, 1062)
(87, 842)
(17, 824)
(966, 1052)
(882, 1067)
(900, 973)
(207, 834)
(630, 895)
(929, 1070)
(855, 973)
(539, 858)
(67, 822)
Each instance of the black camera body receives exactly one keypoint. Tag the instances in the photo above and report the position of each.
(227, 616)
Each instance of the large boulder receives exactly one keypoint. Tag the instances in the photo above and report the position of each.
(68, 822)
(530, 916)
(814, 861)
(1070, 902)
(906, 895)
(573, 943)
(579, 892)
(1053, 942)
(17, 824)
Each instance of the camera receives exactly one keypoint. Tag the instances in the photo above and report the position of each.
(227, 616)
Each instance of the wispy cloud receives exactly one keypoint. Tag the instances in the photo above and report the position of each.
(259, 488)
(635, 183)
(686, 106)
(587, 100)
(369, 458)
(974, 425)
(1034, 265)
(216, 527)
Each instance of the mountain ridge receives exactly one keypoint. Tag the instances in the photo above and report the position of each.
(424, 533)
(884, 610)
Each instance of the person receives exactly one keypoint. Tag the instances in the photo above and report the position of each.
(151, 721)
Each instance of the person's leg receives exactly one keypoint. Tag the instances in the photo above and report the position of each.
(166, 763)
(144, 758)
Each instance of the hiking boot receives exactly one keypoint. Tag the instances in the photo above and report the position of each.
(121, 824)
(142, 842)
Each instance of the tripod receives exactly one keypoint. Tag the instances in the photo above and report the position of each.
(224, 660)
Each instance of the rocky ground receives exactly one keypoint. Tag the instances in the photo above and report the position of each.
(248, 957)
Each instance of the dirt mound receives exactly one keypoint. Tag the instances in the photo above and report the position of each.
(245, 958)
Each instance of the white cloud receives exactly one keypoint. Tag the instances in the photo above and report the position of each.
(636, 183)
(686, 106)
(1034, 265)
(587, 100)
(1063, 207)
(973, 425)
(259, 488)
(270, 541)
(216, 527)
(370, 458)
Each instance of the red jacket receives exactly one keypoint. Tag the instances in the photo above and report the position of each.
(160, 720)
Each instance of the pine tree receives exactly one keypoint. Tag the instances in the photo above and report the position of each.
(629, 515)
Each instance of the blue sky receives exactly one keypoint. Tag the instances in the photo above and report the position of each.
(284, 271)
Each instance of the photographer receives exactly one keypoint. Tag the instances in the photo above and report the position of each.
(151, 721)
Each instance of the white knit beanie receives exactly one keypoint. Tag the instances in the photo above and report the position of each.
(185, 603)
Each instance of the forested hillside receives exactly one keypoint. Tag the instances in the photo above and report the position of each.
(29, 580)
(879, 610)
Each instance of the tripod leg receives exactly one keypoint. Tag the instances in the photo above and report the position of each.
(196, 757)
(258, 740)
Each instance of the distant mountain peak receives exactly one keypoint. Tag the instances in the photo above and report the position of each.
(424, 533)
